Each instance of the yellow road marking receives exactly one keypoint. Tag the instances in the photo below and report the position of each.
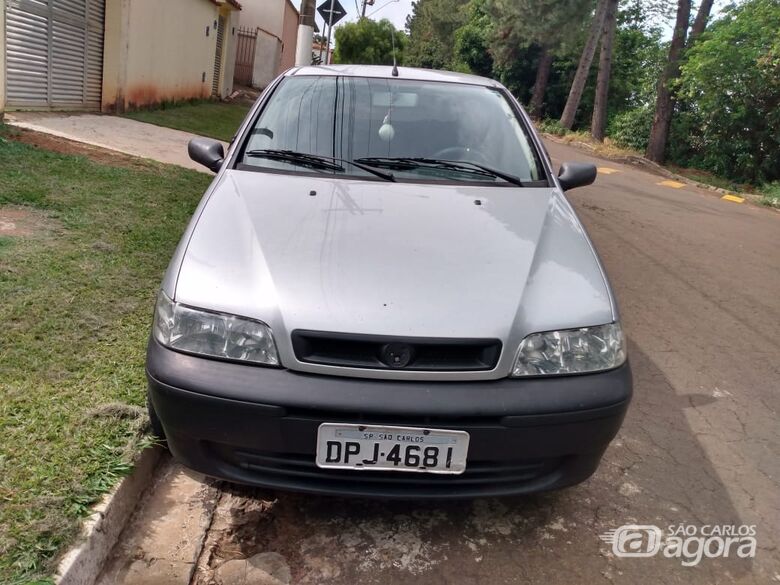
(733, 198)
(672, 184)
(607, 171)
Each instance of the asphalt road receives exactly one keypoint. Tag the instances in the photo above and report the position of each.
(698, 282)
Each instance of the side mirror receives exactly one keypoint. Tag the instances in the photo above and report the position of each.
(573, 175)
(207, 152)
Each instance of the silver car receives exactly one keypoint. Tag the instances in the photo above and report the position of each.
(385, 292)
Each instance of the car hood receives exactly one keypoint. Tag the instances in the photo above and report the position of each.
(382, 258)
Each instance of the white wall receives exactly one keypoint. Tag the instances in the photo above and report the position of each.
(158, 50)
(169, 51)
(278, 18)
(229, 52)
(268, 54)
(265, 14)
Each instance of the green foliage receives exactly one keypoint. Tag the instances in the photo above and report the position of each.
(639, 58)
(731, 83)
(519, 74)
(369, 42)
(553, 126)
(770, 194)
(522, 28)
(432, 26)
(637, 62)
(631, 129)
(472, 41)
(550, 23)
(727, 116)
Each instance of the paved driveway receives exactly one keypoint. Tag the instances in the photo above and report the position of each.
(113, 133)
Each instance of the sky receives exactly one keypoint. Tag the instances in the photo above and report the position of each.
(394, 10)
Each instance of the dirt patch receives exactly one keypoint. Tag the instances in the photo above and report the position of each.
(243, 95)
(17, 221)
(65, 146)
(243, 525)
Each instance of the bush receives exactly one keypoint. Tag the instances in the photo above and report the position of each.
(771, 194)
(551, 126)
(731, 79)
(369, 42)
(631, 129)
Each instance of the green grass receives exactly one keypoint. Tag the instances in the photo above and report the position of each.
(551, 126)
(708, 178)
(212, 119)
(75, 307)
(770, 195)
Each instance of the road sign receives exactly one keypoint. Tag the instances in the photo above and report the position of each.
(331, 11)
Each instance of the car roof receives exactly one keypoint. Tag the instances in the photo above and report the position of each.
(385, 72)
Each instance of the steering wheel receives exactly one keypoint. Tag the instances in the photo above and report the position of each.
(462, 153)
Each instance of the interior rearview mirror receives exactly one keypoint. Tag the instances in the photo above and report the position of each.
(573, 175)
(210, 153)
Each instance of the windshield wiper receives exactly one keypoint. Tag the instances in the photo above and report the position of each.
(327, 163)
(409, 163)
(298, 158)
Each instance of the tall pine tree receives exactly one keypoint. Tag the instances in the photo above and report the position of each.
(542, 23)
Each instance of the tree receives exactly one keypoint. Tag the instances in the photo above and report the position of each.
(543, 24)
(664, 104)
(368, 42)
(583, 69)
(536, 106)
(431, 27)
(702, 16)
(599, 121)
(731, 81)
(472, 41)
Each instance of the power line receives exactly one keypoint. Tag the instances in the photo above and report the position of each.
(385, 5)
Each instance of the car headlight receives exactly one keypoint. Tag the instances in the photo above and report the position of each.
(213, 334)
(571, 351)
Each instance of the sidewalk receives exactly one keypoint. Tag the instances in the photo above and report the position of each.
(113, 133)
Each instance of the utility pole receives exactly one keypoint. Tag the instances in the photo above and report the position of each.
(305, 33)
(365, 4)
(330, 32)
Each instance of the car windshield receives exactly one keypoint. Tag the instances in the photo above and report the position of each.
(392, 129)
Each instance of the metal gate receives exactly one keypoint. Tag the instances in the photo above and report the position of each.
(54, 53)
(245, 56)
(218, 56)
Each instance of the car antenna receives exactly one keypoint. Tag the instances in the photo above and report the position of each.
(395, 64)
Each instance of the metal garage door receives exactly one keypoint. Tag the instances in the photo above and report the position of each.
(54, 53)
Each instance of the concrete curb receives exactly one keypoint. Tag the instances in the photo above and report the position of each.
(649, 165)
(82, 564)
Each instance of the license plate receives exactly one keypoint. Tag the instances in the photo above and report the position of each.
(378, 448)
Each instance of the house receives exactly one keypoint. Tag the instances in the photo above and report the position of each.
(114, 55)
(269, 31)
(321, 54)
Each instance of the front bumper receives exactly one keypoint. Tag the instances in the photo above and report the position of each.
(259, 425)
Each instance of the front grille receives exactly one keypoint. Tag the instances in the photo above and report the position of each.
(395, 353)
(303, 468)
